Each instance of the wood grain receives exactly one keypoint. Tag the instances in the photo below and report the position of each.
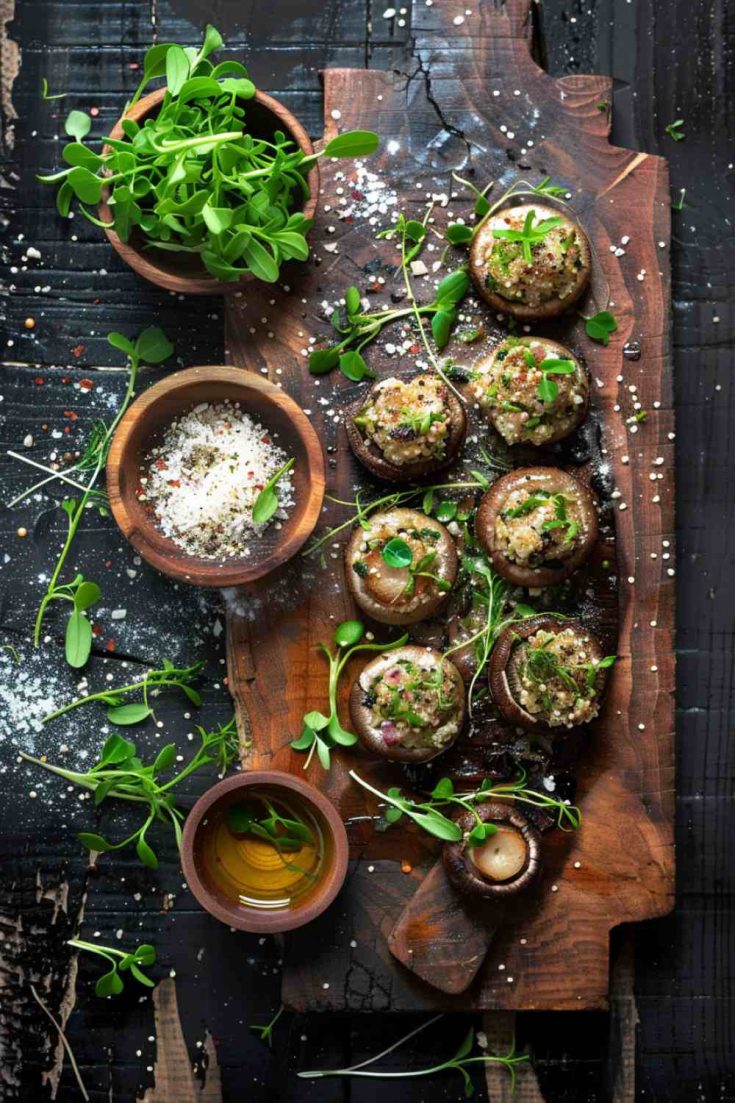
(625, 777)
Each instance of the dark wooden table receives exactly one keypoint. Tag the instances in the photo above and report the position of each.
(673, 1012)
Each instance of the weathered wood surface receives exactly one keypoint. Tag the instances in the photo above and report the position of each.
(625, 850)
(671, 59)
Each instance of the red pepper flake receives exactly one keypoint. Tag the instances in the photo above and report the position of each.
(38, 381)
(348, 218)
(174, 482)
(110, 645)
(66, 379)
(71, 415)
(161, 465)
(96, 629)
(356, 193)
(265, 439)
(108, 562)
(77, 351)
(414, 349)
(85, 385)
(67, 429)
(375, 286)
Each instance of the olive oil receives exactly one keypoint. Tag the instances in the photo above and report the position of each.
(252, 868)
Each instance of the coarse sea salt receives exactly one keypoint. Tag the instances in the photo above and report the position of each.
(203, 479)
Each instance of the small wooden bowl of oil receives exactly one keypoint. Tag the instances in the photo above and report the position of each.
(264, 851)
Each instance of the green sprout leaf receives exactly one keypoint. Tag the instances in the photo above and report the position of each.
(599, 326)
(353, 143)
(397, 553)
(78, 125)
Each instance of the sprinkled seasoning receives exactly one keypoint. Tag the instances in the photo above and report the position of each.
(202, 481)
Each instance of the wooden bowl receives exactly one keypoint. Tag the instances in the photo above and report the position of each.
(263, 920)
(139, 431)
(183, 272)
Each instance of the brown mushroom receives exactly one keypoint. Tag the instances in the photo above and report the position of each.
(543, 545)
(506, 673)
(400, 594)
(376, 702)
(394, 399)
(557, 276)
(524, 404)
(505, 864)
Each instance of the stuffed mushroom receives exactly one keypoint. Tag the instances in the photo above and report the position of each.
(406, 429)
(505, 863)
(530, 261)
(408, 704)
(548, 673)
(537, 524)
(532, 390)
(401, 566)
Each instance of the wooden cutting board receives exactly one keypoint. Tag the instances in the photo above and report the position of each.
(489, 111)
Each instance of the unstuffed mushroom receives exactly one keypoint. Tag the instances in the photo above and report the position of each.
(401, 566)
(506, 863)
(406, 429)
(530, 261)
(548, 673)
(537, 524)
(532, 390)
(408, 704)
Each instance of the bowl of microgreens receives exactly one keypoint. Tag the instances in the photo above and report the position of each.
(205, 182)
(264, 851)
(215, 476)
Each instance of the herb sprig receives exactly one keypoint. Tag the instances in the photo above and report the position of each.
(599, 326)
(323, 733)
(151, 347)
(266, 504)
(118, 712)
(265, 1033)
(531, 233)
(458, 233)
(191, 179)
(120, 774)
(398, 554)
(459, 1062)
(120, 961)
(428, 814)
(284, 833)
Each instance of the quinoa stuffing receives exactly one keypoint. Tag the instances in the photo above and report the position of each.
(416, 705)
(201, 482)
(538, 527)
(407, 421)
(559, 679)
(529, 391)
(547, 269)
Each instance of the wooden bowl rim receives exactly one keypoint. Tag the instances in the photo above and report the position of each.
(263, 921)
(203, 285)
(178, 564)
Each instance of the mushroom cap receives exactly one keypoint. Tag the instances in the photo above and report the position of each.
(426, 601)
(561, 352)
(371, 456)
(554, 480)
(464, 873)
(483, 242)
(371, 736)
(500, 667)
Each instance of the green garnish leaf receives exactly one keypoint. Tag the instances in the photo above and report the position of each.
(458, 233)
(129, 714)
(675, 131)
(353, 143)
(599, 326)
(78, 639)
(347, 634)
(266, 504)
(397, 553)
(78, 125)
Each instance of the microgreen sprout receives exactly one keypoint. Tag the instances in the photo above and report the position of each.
(490, 614)
(121, 775)
(675, 131)
(46, 94)
(151, 347)
(531, 233)
(458, 233)
(678, 205)
(430, 816)
(120, 961)
(599, 326)
(323, 733)
(397, 553)
(191, 180)
(118, 712)
(460, 1061)
(548, 389)
(284, 833)
(265, 1033)
(266, 504)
